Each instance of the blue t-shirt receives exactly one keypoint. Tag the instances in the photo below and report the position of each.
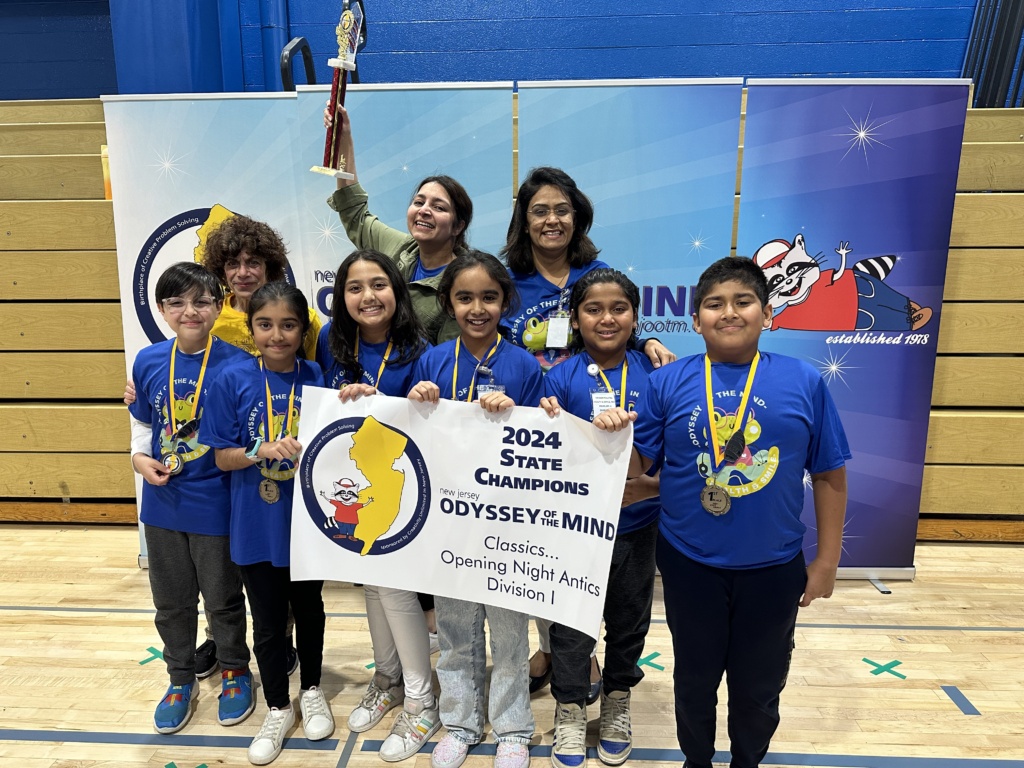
(512, 367)
(572, 385)
(422, 273)
(235, 414)
(538, 299)
(396, 380)
(793, 426)
(198, 499)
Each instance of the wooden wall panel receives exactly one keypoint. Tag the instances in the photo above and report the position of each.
(52, 177)
(987, 382)
(52, 111)
(973, 490)
(74, 512)
(982, 328)
(62, 376)
(56, 225)
(971, 437)
(55, 427)
(991, 165)
(38, 275)
(994, 125)
(985, 274)
(52, 139)
(72, 475)
(67, 326)
(988, 220)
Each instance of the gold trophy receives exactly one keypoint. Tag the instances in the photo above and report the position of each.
(348, 31)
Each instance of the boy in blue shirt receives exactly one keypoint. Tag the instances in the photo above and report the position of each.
(740, 430)
(186, 499)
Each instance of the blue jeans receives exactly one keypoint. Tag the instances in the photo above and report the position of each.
(463, 666)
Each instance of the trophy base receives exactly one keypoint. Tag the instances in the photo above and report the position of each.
(348, 64)
(332, 172)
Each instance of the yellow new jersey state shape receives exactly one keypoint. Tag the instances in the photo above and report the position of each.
(375, 449)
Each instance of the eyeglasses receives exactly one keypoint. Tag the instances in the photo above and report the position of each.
(253, 265)
(177, 305)
(542, 212)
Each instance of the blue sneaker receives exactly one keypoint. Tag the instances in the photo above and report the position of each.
(176, 707)
(236, 701)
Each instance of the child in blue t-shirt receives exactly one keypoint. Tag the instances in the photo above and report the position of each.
(370, 347)
(480, 366)
(740, 431)
(605, 372)
(252, 420)
(186, 498)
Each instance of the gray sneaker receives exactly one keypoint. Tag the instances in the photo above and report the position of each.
(616, 737)
(569, 746)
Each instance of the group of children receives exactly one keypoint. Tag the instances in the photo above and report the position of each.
(216, 443)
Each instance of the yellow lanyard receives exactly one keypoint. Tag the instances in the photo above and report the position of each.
(286, 424)
(472, 382)
(172, 407)
(387, 354)
(622, 390)
(719, 450)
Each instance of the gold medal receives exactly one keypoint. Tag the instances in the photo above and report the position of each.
(715, 499)
(270, 491)
(174, 463)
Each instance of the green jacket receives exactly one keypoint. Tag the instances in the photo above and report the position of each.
(367, 231)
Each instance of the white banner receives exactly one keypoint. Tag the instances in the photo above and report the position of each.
(517, 509)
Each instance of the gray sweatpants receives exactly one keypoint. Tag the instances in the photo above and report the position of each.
(181, 566)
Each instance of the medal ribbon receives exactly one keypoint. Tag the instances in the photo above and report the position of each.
(719, 450)
(286, 425)
(622, 389)
(387, 354)
(199, 386)
(472, 382)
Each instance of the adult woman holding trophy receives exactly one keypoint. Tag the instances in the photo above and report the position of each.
(437, 219)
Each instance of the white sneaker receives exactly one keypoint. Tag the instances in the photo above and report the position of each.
(616, 739)
(317, 720)
(569, 745)
(270, 738)
(412, 729)
(381, 696)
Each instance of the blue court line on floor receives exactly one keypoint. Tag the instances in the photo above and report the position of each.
(155, 739)
(960, 700)
(772, 758)
(151, 611)
(346, 753)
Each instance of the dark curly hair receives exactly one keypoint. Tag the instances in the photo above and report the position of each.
(406, 331)
(518, 250)
(240, 233)
(579, 295)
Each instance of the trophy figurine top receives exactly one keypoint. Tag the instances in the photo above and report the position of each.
(348, 31)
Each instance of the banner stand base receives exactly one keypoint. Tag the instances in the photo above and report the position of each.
(878, 574)
(143, 562)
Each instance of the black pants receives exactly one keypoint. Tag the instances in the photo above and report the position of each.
(627, 617)
(742, 623)
(271, 591)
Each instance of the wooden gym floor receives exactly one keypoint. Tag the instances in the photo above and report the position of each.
(930, 676)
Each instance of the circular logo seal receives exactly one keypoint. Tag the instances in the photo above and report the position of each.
(174, 240)
(365, 486)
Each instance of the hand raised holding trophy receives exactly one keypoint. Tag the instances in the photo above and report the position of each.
(349, 31)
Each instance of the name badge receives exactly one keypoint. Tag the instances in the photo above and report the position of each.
(558, 331)
(483, 389)
(602, 401)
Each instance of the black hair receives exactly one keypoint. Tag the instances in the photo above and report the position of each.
(579, 295)
(462, 206)
(518, 250)
(186, 277)
(494, 269)
(406, 330)
(739, 268)
(289, 295)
